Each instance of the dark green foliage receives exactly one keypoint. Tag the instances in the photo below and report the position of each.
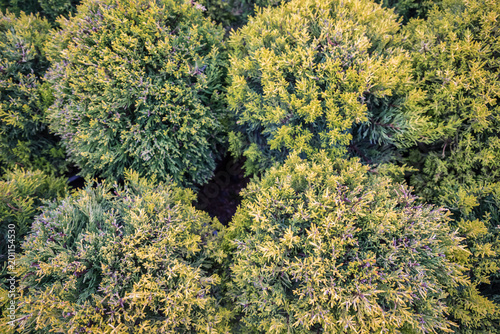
(137, 84)
(18, 6)
(53, 8)
(456, 61)
(304, 73)
(410, 8)
(326, 247)
(24, 137)
(131, 259)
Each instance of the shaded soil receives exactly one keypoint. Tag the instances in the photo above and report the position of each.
(220, 196)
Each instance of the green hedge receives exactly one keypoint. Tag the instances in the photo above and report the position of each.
(137, 84)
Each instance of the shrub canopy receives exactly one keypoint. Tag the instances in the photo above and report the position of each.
(21, 194)
(324, 246)
(455, 57)
(24, 137)
(131, 259)
(234, 13)
(301, 75)
(137, 86)
(53, 8)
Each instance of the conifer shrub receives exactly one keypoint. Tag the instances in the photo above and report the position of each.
(301, 75)
(326, 246)
(455, 59)
(24, 137)
(22, 192)
(21, 195)
(121, 259)
(137, 85)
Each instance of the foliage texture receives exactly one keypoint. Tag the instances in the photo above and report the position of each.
(24, 137)
(408, 9)
(21, 195)
(234, 13)
(456, 60)
(301, 75)
(131, 259)
(325, 247)
(137, 86)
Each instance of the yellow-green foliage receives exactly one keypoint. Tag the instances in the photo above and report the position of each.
(54, 8)
(301, 75)
(48, 8)
(456, 60)
(137, 86)
(24, 137)
(21, 194)
(131, 259)
(324, 246)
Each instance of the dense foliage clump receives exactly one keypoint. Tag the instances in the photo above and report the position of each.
(137, 85)
(234, 13)
(24, 137)
(324, 246)
(131, 259)
(333, 105)
(18, 6)
(304, 73)
(409, 9)
(456, 60)
(21, 195)
(53, 8)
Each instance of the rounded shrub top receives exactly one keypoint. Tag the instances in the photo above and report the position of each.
(302, 74)
(24, 137)
(136, 85)
(133, 258)
(325, 247)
